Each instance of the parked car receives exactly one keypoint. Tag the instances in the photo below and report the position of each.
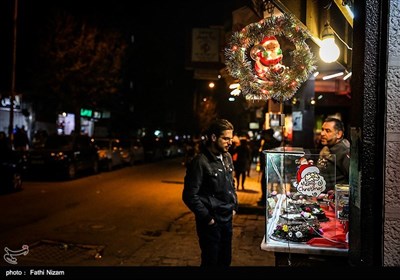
(12, 167)
(132, 151)
(64, 155)
(109, 152)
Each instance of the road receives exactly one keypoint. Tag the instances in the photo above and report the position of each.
(120, 210)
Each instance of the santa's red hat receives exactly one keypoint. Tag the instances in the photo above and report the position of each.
(305, 169)
(268, 38)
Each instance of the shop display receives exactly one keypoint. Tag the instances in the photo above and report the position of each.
(316, 210)
(300, 232)
(301, 214)
(305, 209)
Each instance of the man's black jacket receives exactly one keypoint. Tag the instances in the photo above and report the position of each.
(209, 190)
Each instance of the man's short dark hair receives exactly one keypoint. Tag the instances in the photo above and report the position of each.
(218, 126)
(339, 126)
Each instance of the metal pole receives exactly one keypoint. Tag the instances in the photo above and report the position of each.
(14, 59)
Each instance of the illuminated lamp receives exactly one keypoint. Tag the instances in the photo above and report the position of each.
(329, 51)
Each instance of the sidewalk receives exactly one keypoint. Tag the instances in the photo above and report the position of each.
(179, 245)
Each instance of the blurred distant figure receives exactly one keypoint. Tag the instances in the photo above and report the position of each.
(21, 141)
(268, 142)
(191, 150)
(4, 145)
(243, 160)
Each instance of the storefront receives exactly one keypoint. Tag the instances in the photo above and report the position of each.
(368, 234)
(21, 117)
(89, 117)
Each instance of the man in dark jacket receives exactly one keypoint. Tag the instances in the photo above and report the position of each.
(335, 169)
(210, 194)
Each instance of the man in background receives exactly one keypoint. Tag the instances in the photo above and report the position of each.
(268, 142)
(334, 143)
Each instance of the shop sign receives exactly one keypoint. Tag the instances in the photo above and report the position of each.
(86, 113)
(205, 45)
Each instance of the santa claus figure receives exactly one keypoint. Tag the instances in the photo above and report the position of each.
(308, 179)
(268, 57)
(307, 172)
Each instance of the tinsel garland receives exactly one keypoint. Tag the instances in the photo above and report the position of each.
(280, 86)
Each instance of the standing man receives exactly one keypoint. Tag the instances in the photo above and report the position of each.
(332, 138)
(210, 194)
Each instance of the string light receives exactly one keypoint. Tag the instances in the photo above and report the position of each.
(332, 76)
(348, 75)
(234, 85)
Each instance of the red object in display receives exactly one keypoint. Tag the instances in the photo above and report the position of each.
(334, 233)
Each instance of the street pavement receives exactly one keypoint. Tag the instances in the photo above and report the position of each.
(173, 247)
(178, 246)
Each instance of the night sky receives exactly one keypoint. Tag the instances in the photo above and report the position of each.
(161, 32)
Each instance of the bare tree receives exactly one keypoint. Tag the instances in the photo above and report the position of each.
(81, 63)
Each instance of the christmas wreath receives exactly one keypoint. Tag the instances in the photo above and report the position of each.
(253, 56)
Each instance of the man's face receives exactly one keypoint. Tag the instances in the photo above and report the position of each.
(330, 136)
(224, 141)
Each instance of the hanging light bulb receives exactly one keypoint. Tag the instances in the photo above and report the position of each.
(236, 92)
(329, 51)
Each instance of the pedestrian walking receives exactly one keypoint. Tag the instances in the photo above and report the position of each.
(242, 163)
(268, 141)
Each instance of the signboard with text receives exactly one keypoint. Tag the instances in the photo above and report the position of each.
(205, 45)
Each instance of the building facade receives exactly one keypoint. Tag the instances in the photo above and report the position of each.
(374, 130)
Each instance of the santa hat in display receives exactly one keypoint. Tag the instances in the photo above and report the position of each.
(304, 169)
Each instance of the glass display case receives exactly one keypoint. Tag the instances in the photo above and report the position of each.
(305, 211)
